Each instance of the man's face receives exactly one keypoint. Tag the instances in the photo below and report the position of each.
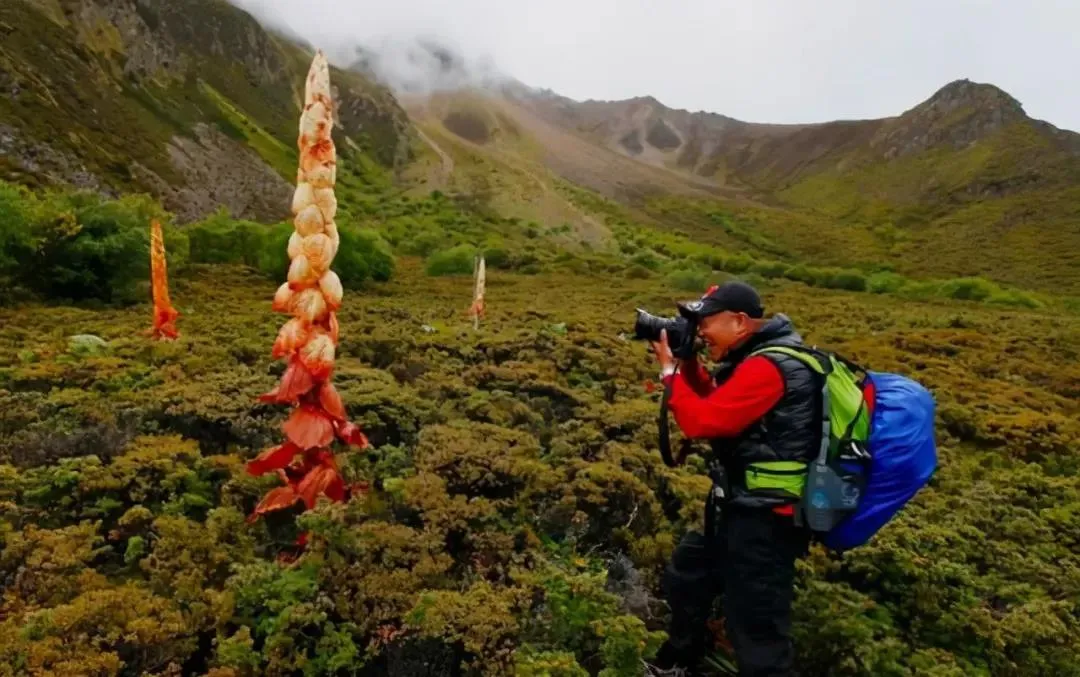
(723, 331)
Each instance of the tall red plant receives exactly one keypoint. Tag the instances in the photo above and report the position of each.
(307, 341)
(165, 316)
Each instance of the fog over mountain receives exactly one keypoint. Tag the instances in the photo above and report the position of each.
(423, 65)
(767, 61)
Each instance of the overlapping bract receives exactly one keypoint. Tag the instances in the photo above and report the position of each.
(308, 341)
(165, 316)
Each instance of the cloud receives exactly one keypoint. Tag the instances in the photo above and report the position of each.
(424, 64)
(762, 61)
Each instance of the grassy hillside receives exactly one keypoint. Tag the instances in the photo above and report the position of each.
(518, 514)
(499, 152)
(192, 101)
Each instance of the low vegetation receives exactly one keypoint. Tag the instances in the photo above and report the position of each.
(518, 515)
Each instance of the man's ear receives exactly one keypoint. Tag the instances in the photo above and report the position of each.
(747, 324)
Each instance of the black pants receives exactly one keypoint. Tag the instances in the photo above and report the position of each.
(751, 562)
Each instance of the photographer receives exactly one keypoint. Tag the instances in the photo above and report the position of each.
(760, 413)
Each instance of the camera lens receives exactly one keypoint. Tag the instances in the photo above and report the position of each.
(648, 327)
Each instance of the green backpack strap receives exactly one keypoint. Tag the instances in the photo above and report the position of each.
(826, 420)
(831, 480)
(843, 403)
(804, 355)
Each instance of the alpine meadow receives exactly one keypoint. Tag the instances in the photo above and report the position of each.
(488, 496)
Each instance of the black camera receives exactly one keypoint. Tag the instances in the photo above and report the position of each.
(681, 331)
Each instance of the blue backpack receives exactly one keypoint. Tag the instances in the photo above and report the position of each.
(870, 463)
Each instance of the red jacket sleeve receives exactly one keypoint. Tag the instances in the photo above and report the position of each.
(752, 390)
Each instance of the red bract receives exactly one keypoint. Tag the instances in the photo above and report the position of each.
(295, 382)
(324, 479)
(277, 499)
(309, 427)
(334, 328)
(273, 459)
(350, 433)
(331, 402)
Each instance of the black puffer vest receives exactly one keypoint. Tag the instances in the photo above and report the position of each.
(790, 431)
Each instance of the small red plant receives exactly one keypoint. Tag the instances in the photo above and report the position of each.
(305, 461)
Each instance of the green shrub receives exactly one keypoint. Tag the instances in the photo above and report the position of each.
(805, 274)
(646, 259)
(455, 261)
(221, 239)
(885, 283)
(703, 259)
(363, 255)
(80, 246)
(522, 260)
(496, 257)
(271, 251)
(547, 664)
(921, 291)
(689, 280)
(770, 269)
(969, 289)
(851, 280)
(627, 643)
(423, 244)
(1016, 298)
(717, 261)
(15, 215)
(753, 279)
(739, 263)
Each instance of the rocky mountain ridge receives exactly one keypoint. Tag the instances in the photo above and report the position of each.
(713, 145)
(191, 100)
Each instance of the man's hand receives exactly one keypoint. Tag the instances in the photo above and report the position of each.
(668, 363)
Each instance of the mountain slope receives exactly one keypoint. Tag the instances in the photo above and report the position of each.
(772, 156)
(965, 183)
(489, 120)
(191, 100)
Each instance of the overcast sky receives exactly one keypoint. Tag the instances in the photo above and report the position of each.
(756, 60)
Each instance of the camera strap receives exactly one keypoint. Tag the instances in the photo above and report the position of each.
(718, 497)
(662, 425)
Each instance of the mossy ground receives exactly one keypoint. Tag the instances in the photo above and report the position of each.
(520, 514)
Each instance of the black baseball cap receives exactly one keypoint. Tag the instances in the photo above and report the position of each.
(733, 296)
